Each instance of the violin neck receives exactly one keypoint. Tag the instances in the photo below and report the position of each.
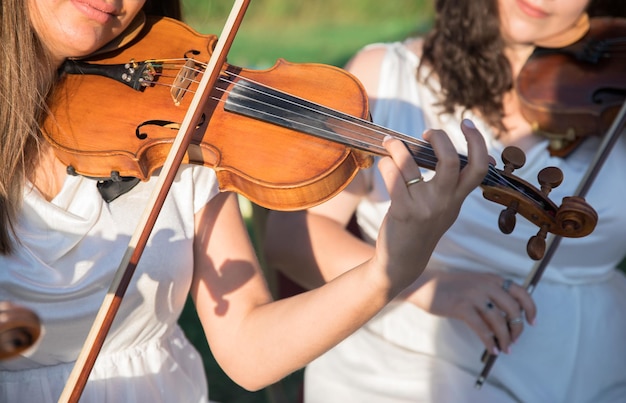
(258, 101)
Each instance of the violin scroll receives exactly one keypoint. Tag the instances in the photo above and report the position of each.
(574, 218)
(19, 329)
(576, 215)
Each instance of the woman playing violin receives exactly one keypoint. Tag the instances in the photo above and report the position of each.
(563, 344)
(60, 243)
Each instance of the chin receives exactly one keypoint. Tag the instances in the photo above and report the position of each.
(522, 34)
(84, 47)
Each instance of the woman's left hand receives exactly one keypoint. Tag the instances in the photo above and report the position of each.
(495, 308)
(422, 211)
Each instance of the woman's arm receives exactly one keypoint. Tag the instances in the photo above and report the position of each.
(258, 342)
(314, 246)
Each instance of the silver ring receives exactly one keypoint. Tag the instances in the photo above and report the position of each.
(507, 284)
(413, 181)
(489, 305)
(516, 321)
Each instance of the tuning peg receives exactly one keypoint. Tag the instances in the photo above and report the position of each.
(549, 178)
(513, 158)
(536, 246)
(575, 218)
(507, 220)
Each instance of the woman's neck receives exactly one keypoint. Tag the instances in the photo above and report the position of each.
(519, 132)
(50, 174)
(518, 54)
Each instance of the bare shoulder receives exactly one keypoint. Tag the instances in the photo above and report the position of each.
(415, 45)
(366, 64)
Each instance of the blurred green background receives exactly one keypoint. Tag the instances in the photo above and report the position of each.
(321, 31)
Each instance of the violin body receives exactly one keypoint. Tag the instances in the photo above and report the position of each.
(278, 168)
(576, 91)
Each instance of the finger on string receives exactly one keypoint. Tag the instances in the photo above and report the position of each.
(478, 159)
(448, 162)
(399, 168)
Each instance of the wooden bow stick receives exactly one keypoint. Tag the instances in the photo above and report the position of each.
(95, 339)
(616, 129)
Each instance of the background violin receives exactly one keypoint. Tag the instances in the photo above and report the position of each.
(286, 138)
(575, 91)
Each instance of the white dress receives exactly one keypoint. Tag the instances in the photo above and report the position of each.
(70, 249)
(576, 352)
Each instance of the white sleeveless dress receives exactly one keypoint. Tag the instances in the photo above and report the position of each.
(70, 249)
(576, 352)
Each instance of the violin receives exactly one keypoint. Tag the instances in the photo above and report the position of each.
(287, 137)
(20, 328)
(575, 91)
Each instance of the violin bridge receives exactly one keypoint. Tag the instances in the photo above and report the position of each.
(183, 80)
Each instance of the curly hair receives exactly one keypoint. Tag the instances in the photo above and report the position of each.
(466, 52)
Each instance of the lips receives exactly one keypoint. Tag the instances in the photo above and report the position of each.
(96, 10)
(99, 6)
(531, 10)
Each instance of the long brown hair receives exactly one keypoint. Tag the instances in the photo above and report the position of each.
(466, 52)
(26, 80)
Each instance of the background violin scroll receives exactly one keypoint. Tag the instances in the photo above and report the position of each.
(19, 329)
(575, 91)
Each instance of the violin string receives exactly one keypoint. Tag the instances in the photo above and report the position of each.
(366, 126)
(380, 149)
(492, 173)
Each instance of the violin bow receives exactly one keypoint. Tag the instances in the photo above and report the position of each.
(95, 339)
(618, 125)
